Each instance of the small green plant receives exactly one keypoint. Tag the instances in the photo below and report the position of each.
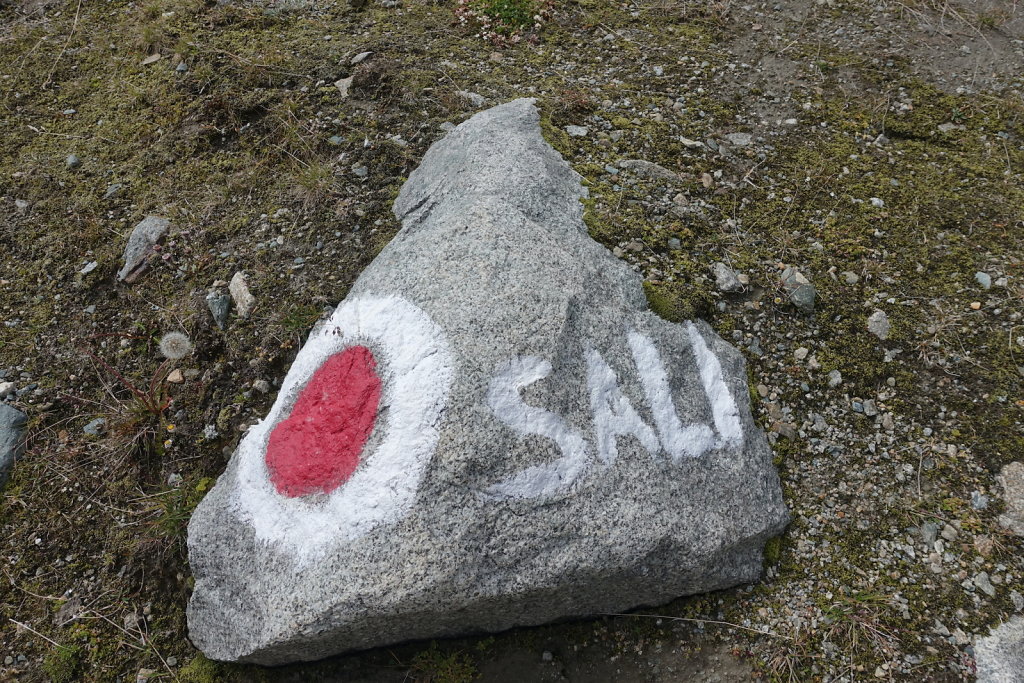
(62, 663)
(504, 21)
(435, 666)
(200, 670)
(152, 399)
(173, 508)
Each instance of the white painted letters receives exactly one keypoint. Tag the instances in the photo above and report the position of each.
(679, 442)
(507, 405)
(613, 415)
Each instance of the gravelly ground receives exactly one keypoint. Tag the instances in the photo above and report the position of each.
(874, 147)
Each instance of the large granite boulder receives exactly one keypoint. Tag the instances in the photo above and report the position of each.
(491, 430)
(1000, 655)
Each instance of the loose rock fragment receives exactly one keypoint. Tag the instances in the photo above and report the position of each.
(243, 298)
(344, 85)
(148, 233)
(219, 305)
(799, 289)
(726, 279)
(12, 430)
(648, 169)
(878, 324)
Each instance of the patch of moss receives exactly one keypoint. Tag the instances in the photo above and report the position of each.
(61, 665)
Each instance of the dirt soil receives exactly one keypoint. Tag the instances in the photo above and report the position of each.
(876, 147)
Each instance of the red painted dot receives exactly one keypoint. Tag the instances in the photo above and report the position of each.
(316, 449)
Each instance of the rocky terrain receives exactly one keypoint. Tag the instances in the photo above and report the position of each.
(836, 187)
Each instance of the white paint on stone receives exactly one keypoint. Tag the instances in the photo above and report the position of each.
(679, 442)
(614, 415)
(416, 370)
(507, 405)
(723, 406)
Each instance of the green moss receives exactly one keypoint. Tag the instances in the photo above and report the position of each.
(439, 666)
(200, 670)
(61, 665)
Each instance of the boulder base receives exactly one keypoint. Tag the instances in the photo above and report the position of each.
(490, 431)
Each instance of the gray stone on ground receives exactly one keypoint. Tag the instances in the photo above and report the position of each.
(1000, 655)
(726, 279)
(243, 298)
(344, 85)
(12, 444)
(878, 324)
(542, 446)
(149, 232)
(219, 304)
(647, 169)
(96, 427)
(1012, 480)
(739, 139)
(799, 289)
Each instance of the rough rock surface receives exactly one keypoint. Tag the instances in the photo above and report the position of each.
(145, 235)
(12, 426)
(1000, 655)
(1012, 480)
(491, 430)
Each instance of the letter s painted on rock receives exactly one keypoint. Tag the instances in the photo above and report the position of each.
(507, 405)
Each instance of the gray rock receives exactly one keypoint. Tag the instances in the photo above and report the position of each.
(982, 581)
(726, 279)
(983, 279)
(647, 169)
(1000, 655)
(577, 131)
(1011, 478)
(799, 289)
(835, 378)
(7, 388)
(72, 161)
(21, 205)
(739, 139)
(534, 443)
(220, 306)
(149, 232)
(361, 57)
(929, 532)
(878, 324)
(12, 430)
(475, 99)
(243, 298)
(113, 190)
(344, 85)
(96, 427)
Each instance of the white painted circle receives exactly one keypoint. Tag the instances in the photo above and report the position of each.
(416, 377)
